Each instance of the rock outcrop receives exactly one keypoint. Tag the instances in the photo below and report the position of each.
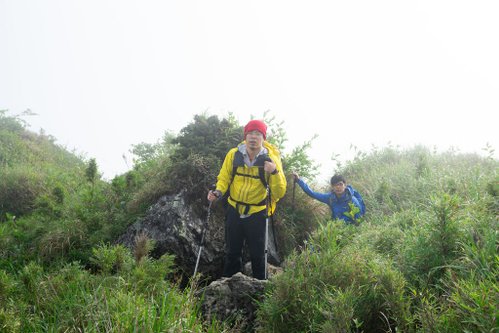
(176, 230)
(233, 300)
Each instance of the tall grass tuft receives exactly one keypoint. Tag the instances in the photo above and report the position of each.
(332, 273)
(143, 246)
(122, 296)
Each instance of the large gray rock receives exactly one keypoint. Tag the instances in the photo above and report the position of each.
(177, 230)
(233, 298)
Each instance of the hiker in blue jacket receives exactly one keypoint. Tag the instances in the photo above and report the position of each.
(338, 199)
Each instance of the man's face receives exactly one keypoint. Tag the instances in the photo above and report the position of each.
(339, 188)
(254, 140)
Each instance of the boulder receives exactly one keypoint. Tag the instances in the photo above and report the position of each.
(176, 230)
(232, 299)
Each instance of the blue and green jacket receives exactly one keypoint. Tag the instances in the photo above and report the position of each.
(339, 206)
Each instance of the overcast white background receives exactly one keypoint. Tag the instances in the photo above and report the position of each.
(103, 75)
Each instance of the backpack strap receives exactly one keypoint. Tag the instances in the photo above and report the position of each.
(360, 200)
(236, 163)
(239, 162)
(331, 205)
(240, 203)
(260, 162)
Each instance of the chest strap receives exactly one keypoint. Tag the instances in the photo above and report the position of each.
(246, 210)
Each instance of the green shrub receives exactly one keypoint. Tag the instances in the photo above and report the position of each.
(296, 218)
(385, 239)
(9, 320)
(61, 238)
(473, 305)
(5, 239)
(30, 277)
(323, 275)
(150, 191)
(149, 275)
(91, 171)
(339, 311)
(61, 299)
(432, 244)
(170, 311)
(135, 298)
(142, 247)
(111, 259)
(201, 150)
(19, 188)
(469, 305)
(7, 287)
(479, 251)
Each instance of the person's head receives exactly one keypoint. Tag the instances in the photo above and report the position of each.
(255, 132)
(338, 184)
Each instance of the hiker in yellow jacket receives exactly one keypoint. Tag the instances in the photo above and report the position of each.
(247, 171)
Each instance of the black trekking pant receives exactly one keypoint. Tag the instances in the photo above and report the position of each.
(237, 230)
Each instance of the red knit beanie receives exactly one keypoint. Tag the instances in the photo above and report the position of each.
(256, 125)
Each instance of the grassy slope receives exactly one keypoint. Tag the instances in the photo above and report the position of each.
(423, 259)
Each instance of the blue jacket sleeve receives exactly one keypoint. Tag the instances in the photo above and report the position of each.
(322, 197)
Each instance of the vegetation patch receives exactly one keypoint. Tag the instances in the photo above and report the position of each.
(423, 259)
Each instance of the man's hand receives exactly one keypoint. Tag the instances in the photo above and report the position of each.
(296, 176)
(269, 167)
(214, 195)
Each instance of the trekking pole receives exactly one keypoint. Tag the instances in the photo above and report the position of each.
(201, 243)
(293, 200)
(267, 231)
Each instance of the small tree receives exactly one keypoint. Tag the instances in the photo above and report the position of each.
(91, 171)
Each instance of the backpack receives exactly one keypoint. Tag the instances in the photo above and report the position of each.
(239, 162)
(360, 200)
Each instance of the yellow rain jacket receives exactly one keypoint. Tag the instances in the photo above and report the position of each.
(247, 192)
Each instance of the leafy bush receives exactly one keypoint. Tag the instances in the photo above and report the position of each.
(19, 188)
(136, 297)
(473, 304)
(7, 287)
(384, 239)
(9, 320)
(312, 292)
(189, 162)
(469, 305)
(202, 146)
(30, 277)
(432, 244)
(111, 259)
